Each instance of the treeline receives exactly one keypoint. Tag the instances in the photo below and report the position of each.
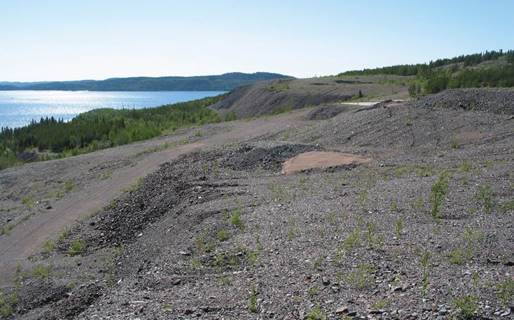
(466, 78)
(99, 129)
(424, 68)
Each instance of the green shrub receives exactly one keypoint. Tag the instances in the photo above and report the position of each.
(484, 196)
(505, 291)
(466, 306)
(316, 314)
(438, 193)
(252, 301)
(41, 271)
(235, 219)
(7, 304)
(223, 235)
(77, 247)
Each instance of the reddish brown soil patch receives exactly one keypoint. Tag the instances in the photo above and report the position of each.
(320, 159)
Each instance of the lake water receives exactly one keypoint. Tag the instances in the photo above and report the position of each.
(18, 108)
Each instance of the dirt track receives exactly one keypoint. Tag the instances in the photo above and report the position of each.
(140, 159)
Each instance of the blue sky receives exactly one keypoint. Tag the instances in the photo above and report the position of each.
(65, 40)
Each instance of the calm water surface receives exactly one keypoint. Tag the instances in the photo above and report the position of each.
(18, 108)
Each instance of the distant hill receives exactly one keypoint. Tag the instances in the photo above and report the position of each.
(224, 82)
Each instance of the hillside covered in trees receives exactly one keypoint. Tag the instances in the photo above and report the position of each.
(224, 82)
(98, 129)
(488, 69)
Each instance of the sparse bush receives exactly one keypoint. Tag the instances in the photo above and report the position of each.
(425, 267)
(465, 166)
(252, 301)
(77, 247)
(7, 304)
(224, 280)
(484, 196)
(507, 206)
(203, 243)
(459, 256)
(42, 272)
(362, 276)
(398, 227)
(235, 219)
(381, 304)
(69, 185)
(505, 291)
(438, 193)
(352, 241)
(394, 206)
(223, 235)
(316, 314)
(466, 306)
(48, 246)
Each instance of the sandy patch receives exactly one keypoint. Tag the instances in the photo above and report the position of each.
(320, 159)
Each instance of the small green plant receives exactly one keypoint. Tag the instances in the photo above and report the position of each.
(252, 256)
(316, 314)
(68, 185)
(417, 204)
(394, 207)
(7, 303)
(77, 247)
(225, 280)
(42, 272)
(318, 263)
(484, 196)
(507, 206)
(352, 241)
(204, 243)
(381, 304)
(374, 240)
(438, 193)
(465, 166)
(454, 143)
(64, 234)
(398, 227)
(252, 301)
(362, 276)
(459, 256)
(425, 267)
(48, 246)
(235, 219)
(292, 233)
(313, 291)
(196, 263)
(28, 201)
(505, 291)
(466, 306)
(223, 235)
(475, 278)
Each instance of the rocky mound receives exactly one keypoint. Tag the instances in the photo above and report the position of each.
(495, 100)
(279, 96)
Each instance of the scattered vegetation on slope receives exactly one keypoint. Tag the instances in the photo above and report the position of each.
(99, 129)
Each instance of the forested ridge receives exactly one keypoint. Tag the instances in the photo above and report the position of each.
(97, 129)
(464, 71)
(223, 82)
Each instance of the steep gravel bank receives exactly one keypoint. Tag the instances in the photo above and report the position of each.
(495, 100)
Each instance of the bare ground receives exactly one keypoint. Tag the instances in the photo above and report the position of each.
(424, 231)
